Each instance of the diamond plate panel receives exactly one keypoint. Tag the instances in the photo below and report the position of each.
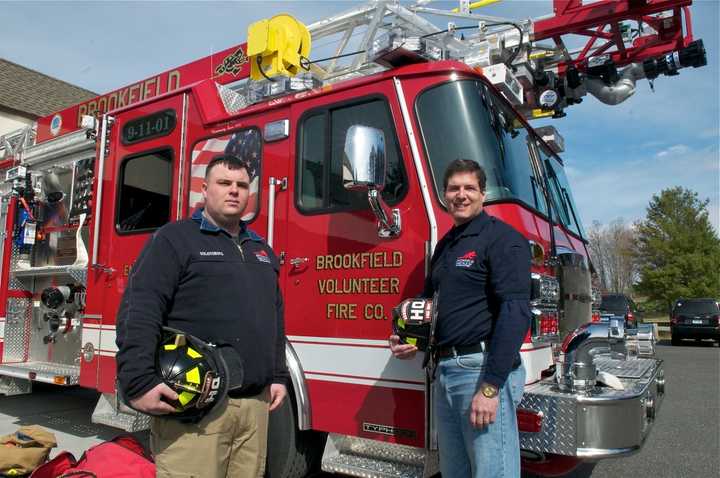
(15, 283)
(635, 368)
(49, 368)
(106, 413)
(17, 330)
(353, 465)
(355, 456)
(559, 421)
(232, 100)
(14, 386)
(80, 275)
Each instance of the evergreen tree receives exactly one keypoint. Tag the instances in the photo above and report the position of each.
(678, 250)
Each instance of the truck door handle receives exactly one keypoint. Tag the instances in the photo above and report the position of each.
(296, 262)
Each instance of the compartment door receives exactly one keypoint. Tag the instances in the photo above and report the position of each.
(136, 192)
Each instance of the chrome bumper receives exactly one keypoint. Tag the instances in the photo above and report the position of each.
(601, 423)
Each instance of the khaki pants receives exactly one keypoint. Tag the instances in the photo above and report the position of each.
(229, 442)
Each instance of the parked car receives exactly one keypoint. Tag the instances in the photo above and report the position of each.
(695, 319)
(619, 306)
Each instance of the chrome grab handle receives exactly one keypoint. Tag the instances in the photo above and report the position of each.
(271, 206)
(298, 261)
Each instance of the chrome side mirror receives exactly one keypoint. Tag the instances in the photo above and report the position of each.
(364, 160)
(364, 165)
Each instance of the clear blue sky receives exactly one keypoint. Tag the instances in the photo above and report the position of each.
(617, 157)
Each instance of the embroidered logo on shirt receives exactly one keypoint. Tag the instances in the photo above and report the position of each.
(466, 260)
(262, 256)
(211, 253)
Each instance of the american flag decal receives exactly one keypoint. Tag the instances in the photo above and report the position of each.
(244, 144)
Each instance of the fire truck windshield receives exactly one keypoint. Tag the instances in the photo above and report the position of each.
(463, 119)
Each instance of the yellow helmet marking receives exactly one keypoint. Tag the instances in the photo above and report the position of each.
(185, 397)
(193, 376)
(192, 353)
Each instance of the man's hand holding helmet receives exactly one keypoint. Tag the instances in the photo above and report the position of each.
(152, 401)
(411, 324)
(401, 351)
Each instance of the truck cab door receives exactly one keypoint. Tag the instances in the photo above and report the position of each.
(137, 183)
(342, 279)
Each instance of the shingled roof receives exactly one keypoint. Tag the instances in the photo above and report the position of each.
(28, 91)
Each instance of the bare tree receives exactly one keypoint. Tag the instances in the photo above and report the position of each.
(612, 247)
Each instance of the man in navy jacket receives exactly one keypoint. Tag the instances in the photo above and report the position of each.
(213, 278)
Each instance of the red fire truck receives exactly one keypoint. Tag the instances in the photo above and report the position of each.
(346, 157)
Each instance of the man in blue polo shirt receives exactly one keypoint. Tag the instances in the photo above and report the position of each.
(213, 278)
(481, 271)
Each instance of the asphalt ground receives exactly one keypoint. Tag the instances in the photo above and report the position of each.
(684, 442)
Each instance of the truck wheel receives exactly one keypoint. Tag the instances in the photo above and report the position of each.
(291, 453)
(674, 340)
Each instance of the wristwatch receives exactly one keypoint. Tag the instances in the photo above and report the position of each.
(488, 390)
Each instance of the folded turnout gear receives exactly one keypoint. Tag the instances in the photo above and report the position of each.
(25, 450)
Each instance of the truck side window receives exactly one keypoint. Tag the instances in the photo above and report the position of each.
(312, 172)
(321, 150)
(144, 194)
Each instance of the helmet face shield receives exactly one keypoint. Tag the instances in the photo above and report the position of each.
(412, 319)
(194, 370)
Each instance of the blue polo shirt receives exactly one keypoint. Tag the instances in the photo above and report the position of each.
(481, 271)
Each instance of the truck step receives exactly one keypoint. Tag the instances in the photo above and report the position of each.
(48, 372)
(14, 386)
(360, 457)
(111, 412)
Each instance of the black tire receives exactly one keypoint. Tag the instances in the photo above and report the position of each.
(674, 340)
(292, 453)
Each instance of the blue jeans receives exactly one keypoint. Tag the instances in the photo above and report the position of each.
(466, 452)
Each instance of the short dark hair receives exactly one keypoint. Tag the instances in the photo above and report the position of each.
(465, 166)
(232, 162)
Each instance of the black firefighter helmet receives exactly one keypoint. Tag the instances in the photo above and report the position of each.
(194, 369)
(412, 321)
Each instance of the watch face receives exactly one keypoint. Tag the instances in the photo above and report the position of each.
(489, 391)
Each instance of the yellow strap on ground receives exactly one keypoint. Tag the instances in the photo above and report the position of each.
(480, 4)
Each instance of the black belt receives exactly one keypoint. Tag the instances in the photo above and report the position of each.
(455, 350)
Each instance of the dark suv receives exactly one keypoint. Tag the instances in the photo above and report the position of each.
(695, 319)
(619, 306)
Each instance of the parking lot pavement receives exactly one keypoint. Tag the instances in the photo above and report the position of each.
(684, 442)
(63, 411)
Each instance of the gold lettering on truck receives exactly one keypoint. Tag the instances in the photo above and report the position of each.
(360, 260)
(360, 285)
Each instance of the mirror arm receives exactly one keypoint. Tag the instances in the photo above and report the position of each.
(386, 228)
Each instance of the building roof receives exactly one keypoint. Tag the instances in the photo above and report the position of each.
(35, 94)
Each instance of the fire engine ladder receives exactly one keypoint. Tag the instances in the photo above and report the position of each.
(374, 23)
(15, 141)
(616, 42)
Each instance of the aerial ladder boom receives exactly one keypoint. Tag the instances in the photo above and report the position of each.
(624, 40)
